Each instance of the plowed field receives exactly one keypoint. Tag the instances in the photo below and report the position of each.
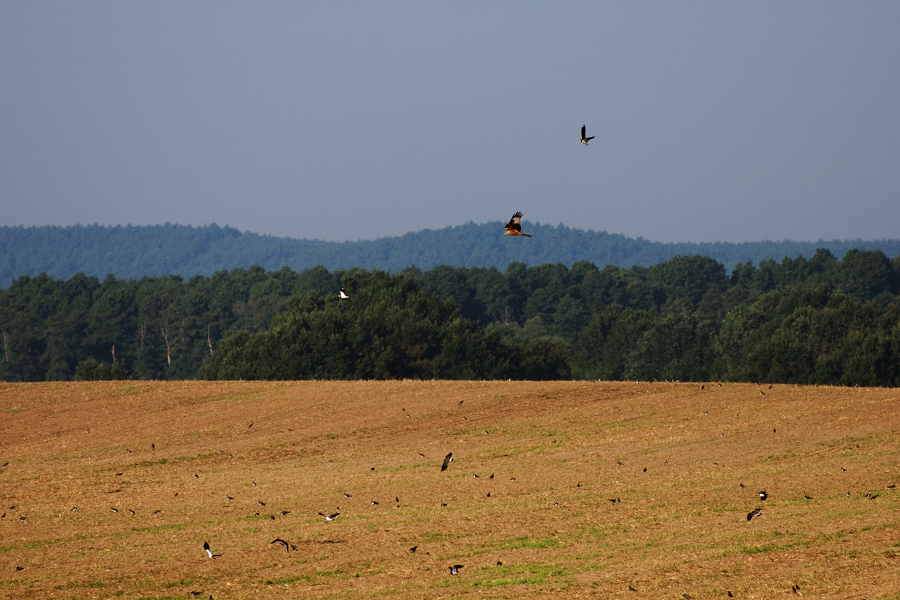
(563, 489)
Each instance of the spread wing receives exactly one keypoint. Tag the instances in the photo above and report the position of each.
(446, 461)
(583, 131)
(516, 222)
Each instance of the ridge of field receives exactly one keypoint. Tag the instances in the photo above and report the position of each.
(557, 489)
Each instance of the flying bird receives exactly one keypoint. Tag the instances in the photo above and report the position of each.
(514, 227)
(585, 140)
(754, 513)
(209, 551)
(454, 570)
(763, 495)
(330, 517)
(281, 541)
(343, 294)
(447, 460)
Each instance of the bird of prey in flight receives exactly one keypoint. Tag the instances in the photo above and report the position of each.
(585, 140)
(514, 227)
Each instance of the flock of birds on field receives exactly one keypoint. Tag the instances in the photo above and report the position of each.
(448, 459)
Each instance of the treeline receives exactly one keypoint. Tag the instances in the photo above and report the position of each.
(817, 320)
(134, 252)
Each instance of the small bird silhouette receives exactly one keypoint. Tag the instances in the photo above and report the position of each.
(763, 495)
(330, 517)
(454, 570)
(281, 541)
(585, 140)
(343, 294)
(754, 513)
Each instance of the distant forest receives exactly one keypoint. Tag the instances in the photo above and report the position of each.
(821, 320)
(128, 252)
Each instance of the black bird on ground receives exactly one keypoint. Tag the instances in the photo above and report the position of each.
(754, 513)
(585, 140)
(454, 570)
(413, 549)
(447, 460)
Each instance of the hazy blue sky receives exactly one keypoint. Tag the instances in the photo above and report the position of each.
(714, 121)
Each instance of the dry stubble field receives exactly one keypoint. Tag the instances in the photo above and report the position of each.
(536, 467)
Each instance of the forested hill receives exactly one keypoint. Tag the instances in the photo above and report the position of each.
(133, 252)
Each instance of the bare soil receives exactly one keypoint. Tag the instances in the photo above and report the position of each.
(579, 489)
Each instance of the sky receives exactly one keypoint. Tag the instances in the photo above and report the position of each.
(713, 121)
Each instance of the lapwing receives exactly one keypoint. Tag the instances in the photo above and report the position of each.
(413, 549)
(343, 294)
(447, 460)
(281, 541)
(762, 495)
(585, 140)
(754, 513)
(209, 551)
(330, 517)
(454, 570)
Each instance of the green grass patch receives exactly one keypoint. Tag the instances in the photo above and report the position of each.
(289, 580)
(518, 575)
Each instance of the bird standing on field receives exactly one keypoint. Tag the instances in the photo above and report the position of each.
(514, 227)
